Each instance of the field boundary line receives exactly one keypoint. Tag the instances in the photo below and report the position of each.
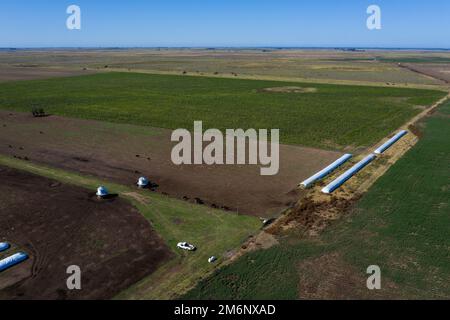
(441, 87)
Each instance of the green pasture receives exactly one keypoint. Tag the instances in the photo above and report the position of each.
(328, 116)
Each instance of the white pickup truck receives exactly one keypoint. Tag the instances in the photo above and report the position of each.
(186, 246)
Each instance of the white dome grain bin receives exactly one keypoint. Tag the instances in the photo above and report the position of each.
(102, 192)
(142, 182)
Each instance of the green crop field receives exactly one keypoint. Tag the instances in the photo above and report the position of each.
(328, 116)
(401, 225)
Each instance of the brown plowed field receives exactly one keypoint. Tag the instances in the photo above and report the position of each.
(122, 153)
(61, 225)
(9, 73)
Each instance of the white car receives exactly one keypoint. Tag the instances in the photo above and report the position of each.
(186, 246)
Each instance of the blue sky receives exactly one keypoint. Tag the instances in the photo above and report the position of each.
(42, 23)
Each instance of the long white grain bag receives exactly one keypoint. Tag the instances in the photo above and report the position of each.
(348, 174)
(326, 171)
(390, 142)
(10, 261)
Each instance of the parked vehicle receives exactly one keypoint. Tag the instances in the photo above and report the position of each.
(186, 246)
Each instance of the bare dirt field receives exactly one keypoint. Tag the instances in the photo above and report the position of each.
(61, 225)
(10, 73)
(433, 70)
(122, 153)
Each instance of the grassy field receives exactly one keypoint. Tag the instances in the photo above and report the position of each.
(401, 225)
(327, 116)
(296, 64)
(214, 232)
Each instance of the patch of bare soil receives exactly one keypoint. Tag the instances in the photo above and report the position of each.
(416, 130)
(123, 153)
(330, 277)
(313, 215)
(60, 225)
(289, 89)
(263, 240)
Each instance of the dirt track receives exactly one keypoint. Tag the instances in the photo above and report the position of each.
(122, 153)
(61, 225)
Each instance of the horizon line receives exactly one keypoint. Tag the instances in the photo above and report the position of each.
(227, 47)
